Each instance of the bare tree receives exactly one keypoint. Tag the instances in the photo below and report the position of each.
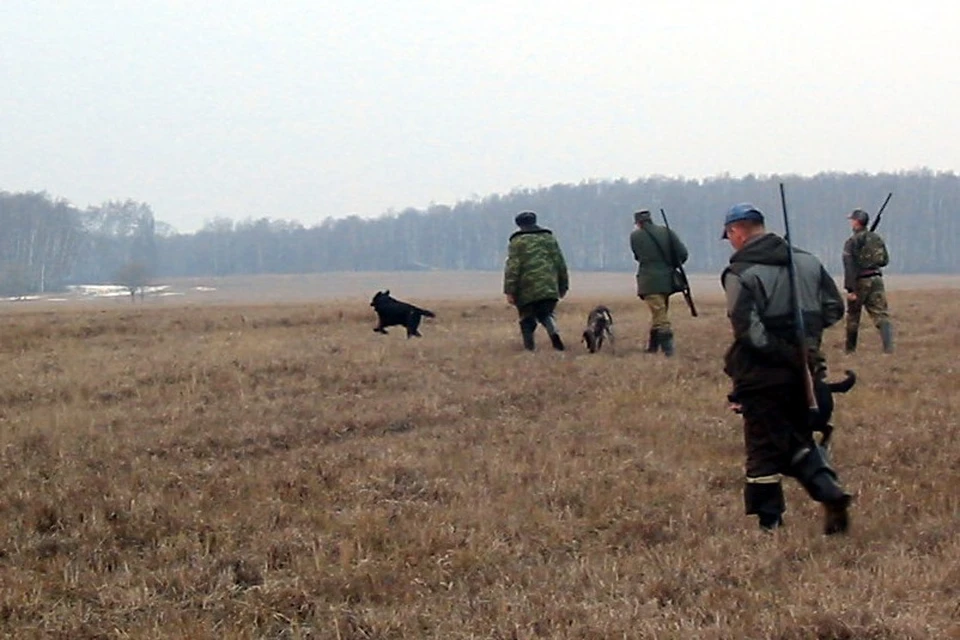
(135, 276)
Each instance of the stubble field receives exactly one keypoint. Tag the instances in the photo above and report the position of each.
(283, 472)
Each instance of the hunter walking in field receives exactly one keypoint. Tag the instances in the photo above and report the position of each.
(658, 252)
(535, 278)
(764, 364)
(864, 255)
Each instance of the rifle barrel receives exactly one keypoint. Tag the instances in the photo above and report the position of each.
(799, 326)
(876, 220)
(687, 294)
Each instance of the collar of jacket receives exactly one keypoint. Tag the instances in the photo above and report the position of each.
(766, 249)
(525, 230)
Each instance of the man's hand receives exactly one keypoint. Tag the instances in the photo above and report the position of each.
(852, 296)
(733, 404)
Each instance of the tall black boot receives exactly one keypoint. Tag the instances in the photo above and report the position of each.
(811, 469)
(527, 327)
(886, 335)
(836, 516)
(666, 342)
(653, 342)
(851, 342)
(765, 500)
(556, 342)
(528, 342)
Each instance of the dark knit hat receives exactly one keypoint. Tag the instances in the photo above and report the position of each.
(526, 219)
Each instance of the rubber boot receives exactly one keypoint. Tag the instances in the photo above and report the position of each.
(851, 341)
(836, 518)
(556, 342)
(886, 335)
(765, 500)
(811, 468)
(528, 342)
(653, 342)
(526, 332)
(666, 342)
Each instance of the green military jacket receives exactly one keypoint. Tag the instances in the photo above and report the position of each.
(658, 252)
(535, 268)
(864, 253)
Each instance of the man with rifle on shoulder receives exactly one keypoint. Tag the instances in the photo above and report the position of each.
(774, 294)
(864, 255)
(658, 252)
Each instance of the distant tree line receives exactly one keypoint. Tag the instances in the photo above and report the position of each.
(46, 243)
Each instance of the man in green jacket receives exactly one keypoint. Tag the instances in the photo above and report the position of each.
(864, 255)
(658, 252)
(535, 278)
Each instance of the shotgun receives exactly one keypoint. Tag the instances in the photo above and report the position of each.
(799, 328)
(687, 295)
(876, 221)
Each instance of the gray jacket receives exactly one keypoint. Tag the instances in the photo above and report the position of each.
(760, 307)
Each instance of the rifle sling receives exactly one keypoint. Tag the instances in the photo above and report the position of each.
(670, 263)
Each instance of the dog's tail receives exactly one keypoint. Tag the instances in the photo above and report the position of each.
(426, 313)
(844, 385)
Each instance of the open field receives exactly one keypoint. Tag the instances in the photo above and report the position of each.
(361, 285)
(178, 470)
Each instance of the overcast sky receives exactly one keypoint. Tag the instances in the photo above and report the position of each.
(306, 109)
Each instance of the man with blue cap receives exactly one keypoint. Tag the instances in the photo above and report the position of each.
(763, 363)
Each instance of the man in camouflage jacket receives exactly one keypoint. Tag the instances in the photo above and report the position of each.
(658, 252)
(864, 255)
(535, 278)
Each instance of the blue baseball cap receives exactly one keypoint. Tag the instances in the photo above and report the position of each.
(740, 212)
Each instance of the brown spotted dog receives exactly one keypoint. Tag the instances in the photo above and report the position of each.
(599, 328)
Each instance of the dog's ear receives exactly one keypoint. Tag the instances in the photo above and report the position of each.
(387, 292)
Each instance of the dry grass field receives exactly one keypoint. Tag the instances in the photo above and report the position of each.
(281, 471)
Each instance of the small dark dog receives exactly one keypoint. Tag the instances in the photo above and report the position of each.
(824, 392)
(599, 328)
(391, 311)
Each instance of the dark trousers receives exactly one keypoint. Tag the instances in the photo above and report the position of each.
(774, 428)
(540, 311)
(776, 431)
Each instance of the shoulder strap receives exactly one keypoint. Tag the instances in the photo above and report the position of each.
(671, 262)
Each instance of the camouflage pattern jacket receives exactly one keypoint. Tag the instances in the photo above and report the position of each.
(658, 251)
(535, 268)
(864, 254)
(764, 352)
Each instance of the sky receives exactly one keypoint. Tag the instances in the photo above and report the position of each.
(307, 109)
